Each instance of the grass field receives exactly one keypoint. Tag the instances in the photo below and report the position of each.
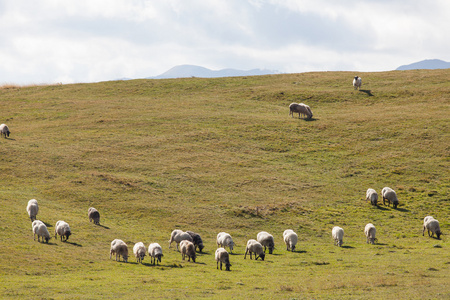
(212, 155)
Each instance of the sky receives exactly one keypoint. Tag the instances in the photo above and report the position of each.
(74, 41)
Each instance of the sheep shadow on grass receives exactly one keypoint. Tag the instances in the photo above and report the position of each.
(310, 120)
(402, 209)
(73, 243)
(368, 92)
(100, 225)
(348, 247)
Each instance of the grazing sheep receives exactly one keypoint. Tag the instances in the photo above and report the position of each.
(222, 257)
(357, 82)
(34, 224)
(338, 235)
(63, 229)
(32, 209)
(41, 230)
(389, 195)
(119, 248)
(301, 109)
(372, 196)
(139, 251)
(224, 240)
(197, 240)
(155, 253)
(93, 214)
(187, 248)
(177, 236)
(4, 130)
(254, 246)
(433, 226)
(370, 232)
(266, 239)
(290, 239)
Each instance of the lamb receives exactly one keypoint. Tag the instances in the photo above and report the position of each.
(63, 229)
(93, 214)
(32, 209)
(224, 240)
(139, 251)
(266, 239)
(187, 248)
(4, 130)
(155, 253)
(357, 82)
(372, 196)
(254, 246)
(119, 248)
(177, 236)
(290, 239)
(338, 235)
(301, 109)
(197, 240)
(433, 226)
(389, 195)
(222, 257)
(370, 232)
(41, 230)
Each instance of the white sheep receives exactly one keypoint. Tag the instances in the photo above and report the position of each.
(32, 209)
(63, 229)
(177, 236)
(119, 248)
(223, 257)
(433, 226)
(301, 109)
(139, 251)
(253, 246)
(155, 253)
(4, 130)
(338, 235)
(224, 240)
(290, 239)
(187, 249)
(389, 195)
(266, 239)
(372, 196)
(41, 230)
(33, 224)
(94, 215)
(370, 233)
(357, 81)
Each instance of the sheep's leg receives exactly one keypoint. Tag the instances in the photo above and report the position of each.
(246, 250)
(220, 265)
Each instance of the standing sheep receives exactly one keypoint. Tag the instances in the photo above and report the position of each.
(139, 251)
(301, 109)
(41, 230)
(254, 246)
(338, 235)
(433, 226)
(224, 240)
(177, 236)
(4, 130)
(370, 233)
(119, 248)
(32, 209)
(93, 214)
(357, 81)
(197, 240)
(389, 195)
(63, 229)
(155, 253)
(266, 239)
(372, 196)
(34, 224)
(290, 239)
(222, 257)
(187, 248)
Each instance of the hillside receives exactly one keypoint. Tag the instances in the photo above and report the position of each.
(222, 154)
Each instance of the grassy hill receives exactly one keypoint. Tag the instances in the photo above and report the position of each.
(212, 155)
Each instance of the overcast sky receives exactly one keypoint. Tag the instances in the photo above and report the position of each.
(70, 41)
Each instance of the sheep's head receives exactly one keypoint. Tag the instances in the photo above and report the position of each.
(262, 256)
(292, 248)
(125, 258)
(438, 234)
(200, 247)
(67, 234)
(227, 265)
(159, 257)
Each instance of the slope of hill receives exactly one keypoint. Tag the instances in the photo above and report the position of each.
(184, 71)
(223, 154)
(428, 64)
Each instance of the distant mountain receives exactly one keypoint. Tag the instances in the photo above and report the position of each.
(426, 64)
(197, 71)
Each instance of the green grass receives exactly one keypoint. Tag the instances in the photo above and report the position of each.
(213, 155)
